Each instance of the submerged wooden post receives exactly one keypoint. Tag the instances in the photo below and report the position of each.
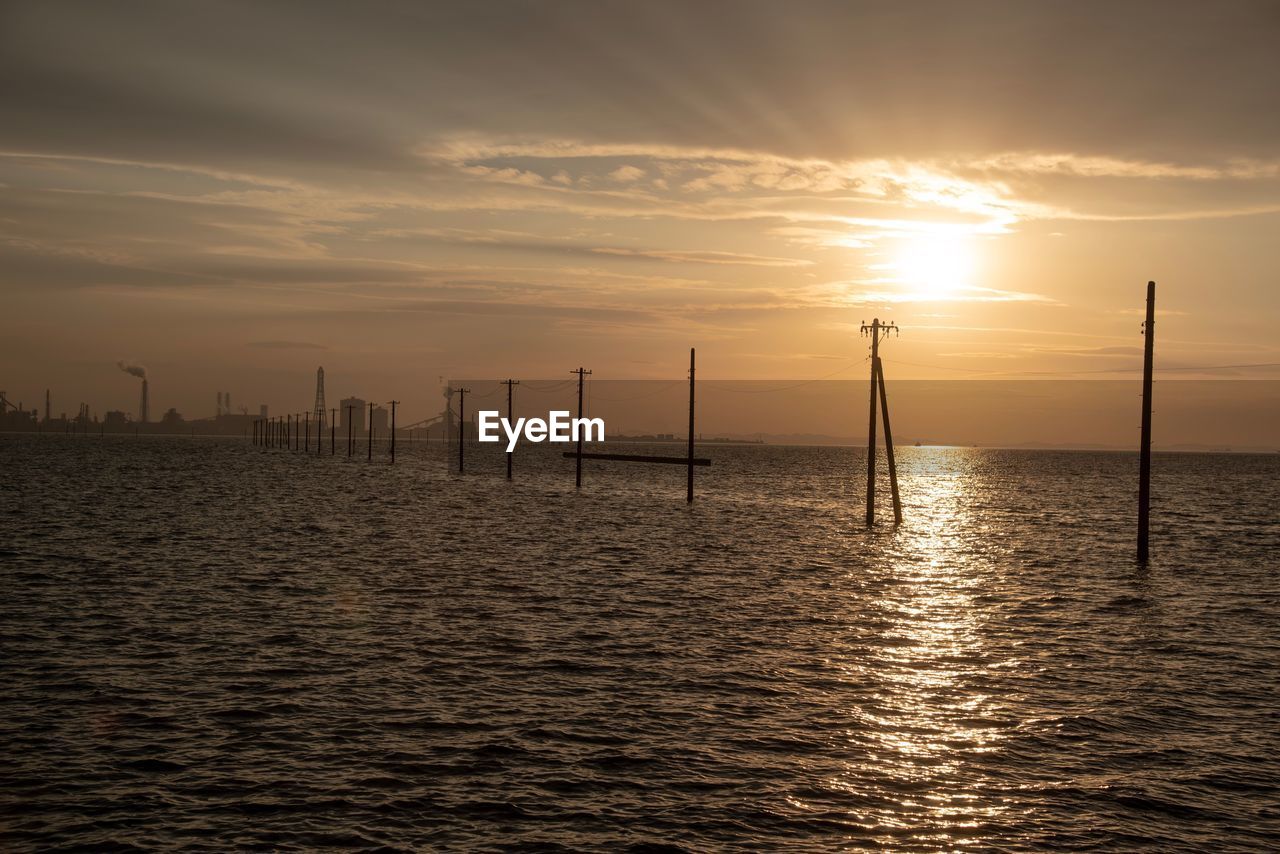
(1144, 454)
(393, 431)
(577, 478)
(462, 425)
(689, 491)
(871, 426)
(511, 418)
(888, 444)
(877, 331)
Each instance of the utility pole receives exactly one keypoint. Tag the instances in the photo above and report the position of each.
(876, 330)
(577, 480)
(510, 417)
(371, 431)
(333, 430)
(393, 431)
(1144, 454)
(689, 492)
(462, 424)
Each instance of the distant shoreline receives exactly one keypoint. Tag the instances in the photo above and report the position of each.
(778, 442)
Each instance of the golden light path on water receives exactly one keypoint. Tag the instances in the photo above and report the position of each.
(926, 718)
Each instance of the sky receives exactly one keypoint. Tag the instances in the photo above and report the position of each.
(233, 194)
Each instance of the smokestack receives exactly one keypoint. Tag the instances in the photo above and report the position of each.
(141, 373)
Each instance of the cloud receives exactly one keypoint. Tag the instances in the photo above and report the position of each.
(1113, 167)
(1090, 351)
(705, 257)
(627, 174)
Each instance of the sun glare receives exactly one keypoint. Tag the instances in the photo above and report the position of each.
(935, 266)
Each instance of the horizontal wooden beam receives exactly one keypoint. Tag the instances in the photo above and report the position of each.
(639, 458)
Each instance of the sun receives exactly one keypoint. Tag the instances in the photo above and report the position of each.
(935, 266)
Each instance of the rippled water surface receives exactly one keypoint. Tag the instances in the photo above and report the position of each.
(210, 645)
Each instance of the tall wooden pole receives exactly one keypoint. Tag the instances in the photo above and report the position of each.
(393, 431)
(307, 431)
(689, 481)
(577, 476)
(510, 383)
(888, 444)
(1144, 457)
(871, 428)
(462, 426)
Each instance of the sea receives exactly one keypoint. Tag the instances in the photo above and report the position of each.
(211, 645)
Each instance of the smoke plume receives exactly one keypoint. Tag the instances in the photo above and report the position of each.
(135, 370)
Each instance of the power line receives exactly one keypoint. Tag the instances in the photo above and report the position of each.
(1090, 371)
(666, 384)
(786, 387)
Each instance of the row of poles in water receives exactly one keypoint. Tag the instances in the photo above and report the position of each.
(293, 432)
(279, 432)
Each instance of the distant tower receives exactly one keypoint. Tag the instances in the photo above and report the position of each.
(143, 411)
(320, 409)
(226, 402)
(218, 410)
